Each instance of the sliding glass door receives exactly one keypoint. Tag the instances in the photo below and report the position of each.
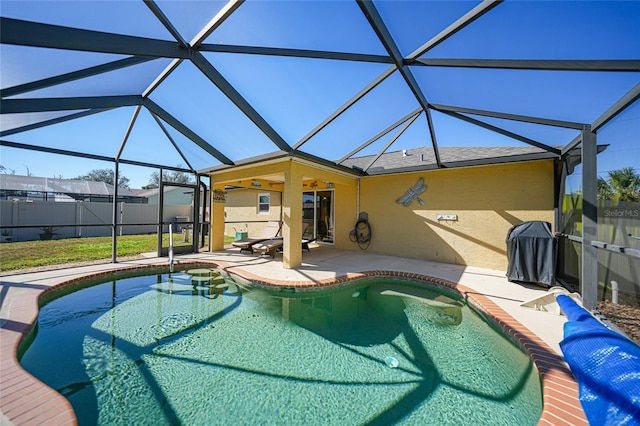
(317, 208)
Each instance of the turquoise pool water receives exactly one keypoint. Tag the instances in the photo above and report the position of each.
(155, 350)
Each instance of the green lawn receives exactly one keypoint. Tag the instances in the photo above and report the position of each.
(29, 254)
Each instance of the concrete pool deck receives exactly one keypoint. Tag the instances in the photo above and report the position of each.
(24, 400)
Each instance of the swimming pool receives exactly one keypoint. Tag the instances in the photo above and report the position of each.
(155, 350)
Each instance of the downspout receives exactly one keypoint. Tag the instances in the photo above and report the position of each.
(281, 209)
(358, 199)
(558, 193)
(559, 187)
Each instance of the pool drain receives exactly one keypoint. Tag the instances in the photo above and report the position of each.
(391, 362)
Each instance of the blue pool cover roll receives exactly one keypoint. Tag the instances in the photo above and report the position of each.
(605, 364)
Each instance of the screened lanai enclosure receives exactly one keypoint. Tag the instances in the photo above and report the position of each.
(363, 87)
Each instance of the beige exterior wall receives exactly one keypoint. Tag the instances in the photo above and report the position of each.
(346, 215)
(241, 210)
(488, 200)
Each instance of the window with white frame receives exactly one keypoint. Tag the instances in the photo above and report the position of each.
(264, 203)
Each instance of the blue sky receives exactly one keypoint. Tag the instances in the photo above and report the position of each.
(295, 94)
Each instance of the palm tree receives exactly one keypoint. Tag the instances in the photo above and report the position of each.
(621, 185)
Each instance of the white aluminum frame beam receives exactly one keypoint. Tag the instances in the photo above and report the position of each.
(215, 22)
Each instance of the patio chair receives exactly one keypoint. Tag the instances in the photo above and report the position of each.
(272, 246)
(270, 231)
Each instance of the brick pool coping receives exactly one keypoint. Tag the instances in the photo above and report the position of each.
(24, 400)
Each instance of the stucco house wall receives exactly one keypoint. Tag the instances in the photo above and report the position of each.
(241, 210)
(172, 195)
(346, 214)
(487, 201)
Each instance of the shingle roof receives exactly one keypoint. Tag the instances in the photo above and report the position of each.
(59, 186)
(424, 158)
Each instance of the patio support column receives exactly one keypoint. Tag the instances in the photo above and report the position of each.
(292, 216)
(216, 233)
(589, 279)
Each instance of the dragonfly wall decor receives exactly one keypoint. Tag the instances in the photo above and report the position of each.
(412, 193)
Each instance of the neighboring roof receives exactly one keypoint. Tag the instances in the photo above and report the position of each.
(59, 186)
(152, 192)
(423, 158)
(143, 192)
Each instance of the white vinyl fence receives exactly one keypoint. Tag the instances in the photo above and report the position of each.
(39, 214)
(619, 225)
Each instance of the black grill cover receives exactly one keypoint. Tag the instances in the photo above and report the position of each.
(531, 249)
